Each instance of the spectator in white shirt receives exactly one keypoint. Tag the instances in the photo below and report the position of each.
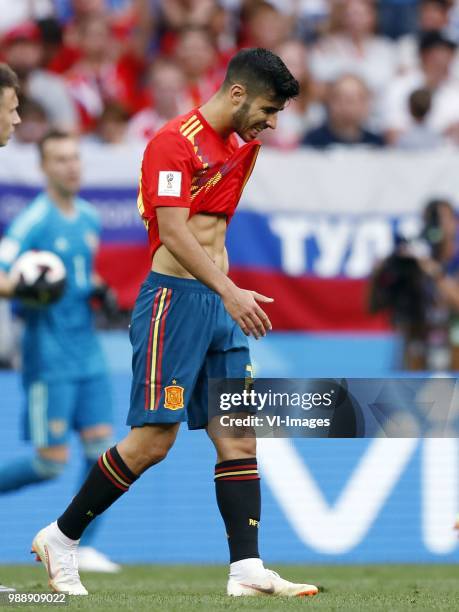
(420, 136)
(34, 122)
(305, 112)
(433, 15)
(111, 127)
(15, 12)
(436, 57)
(168, 99)
(23, 51)
(353, 47)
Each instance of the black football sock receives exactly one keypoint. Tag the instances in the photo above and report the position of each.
(108, 479)
(238, 496)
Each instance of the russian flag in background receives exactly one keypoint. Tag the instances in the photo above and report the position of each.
(308, 231)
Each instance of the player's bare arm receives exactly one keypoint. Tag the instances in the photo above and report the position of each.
(210, 232)
(197, 247)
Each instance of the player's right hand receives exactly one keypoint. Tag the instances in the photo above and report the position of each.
(39, 293)
(243, 308)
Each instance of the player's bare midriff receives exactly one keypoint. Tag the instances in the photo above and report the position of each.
(210, 232)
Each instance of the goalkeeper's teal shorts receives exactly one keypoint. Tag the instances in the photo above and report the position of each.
(181, 335)
(55, 408)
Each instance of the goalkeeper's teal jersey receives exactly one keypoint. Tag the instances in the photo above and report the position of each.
(59, 340)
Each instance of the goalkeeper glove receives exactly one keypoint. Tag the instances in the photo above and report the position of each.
(105, 298)
(41, 292)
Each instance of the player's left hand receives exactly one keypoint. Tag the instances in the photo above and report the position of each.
(242, 305)
(39, 293)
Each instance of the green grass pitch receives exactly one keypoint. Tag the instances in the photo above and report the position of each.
(189, 587)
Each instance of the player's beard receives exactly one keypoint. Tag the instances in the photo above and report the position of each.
(241, 120)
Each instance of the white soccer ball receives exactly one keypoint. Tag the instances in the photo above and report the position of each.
(43, 267)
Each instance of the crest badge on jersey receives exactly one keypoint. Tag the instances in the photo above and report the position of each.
(61, 244)
(169, 183)
(174, 397)
(92, 240)
(57, 426)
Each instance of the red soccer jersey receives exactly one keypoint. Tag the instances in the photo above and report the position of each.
(188, 164)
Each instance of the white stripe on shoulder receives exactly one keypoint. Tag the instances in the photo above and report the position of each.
(35, 212)
(89, 211)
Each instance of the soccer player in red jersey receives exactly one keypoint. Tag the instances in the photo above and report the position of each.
(191, 322)
(9, 118)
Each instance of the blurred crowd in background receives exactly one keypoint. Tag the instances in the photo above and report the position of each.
(380, 73)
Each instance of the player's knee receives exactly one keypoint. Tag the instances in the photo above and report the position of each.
(146, 446)
(94, 448)
(153, 455)
(246, 446)
(229, 449)
(48, 469)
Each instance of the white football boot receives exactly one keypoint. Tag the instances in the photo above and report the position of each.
(5, 589)
(59, 555)
(92, 560)
(267, 582)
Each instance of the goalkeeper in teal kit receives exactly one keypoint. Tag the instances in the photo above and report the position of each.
(64, 373)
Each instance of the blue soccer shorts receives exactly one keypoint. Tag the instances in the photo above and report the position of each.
(181, 335)
(55, 408)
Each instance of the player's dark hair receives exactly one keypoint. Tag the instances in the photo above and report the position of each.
(52, 134)
(260, 70)
(8, 79)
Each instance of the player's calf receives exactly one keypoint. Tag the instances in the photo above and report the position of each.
(108, 479)
(94, 441)
(146, 446)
